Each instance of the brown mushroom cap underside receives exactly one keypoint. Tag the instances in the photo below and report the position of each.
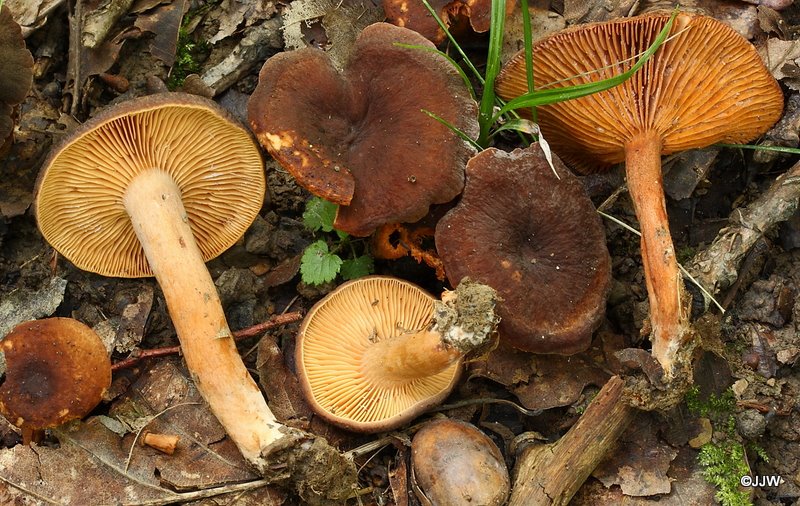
(705, 85)
(412, 14)
(213, 159)
(16, 69)
(336, 334)
(359, 138)
(57, 370)
(538, 241)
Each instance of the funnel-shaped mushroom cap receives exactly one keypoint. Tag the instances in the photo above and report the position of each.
(213, 160)
(334, 342)
(538, 241)
(359, 138)
(16, 69)
(705, 85)
(57, 370)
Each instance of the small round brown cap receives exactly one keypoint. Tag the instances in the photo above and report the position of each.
(455, 464)
(705, 85)
(16, 70)
(213, 160)
(359, 138)
(57, 370)
(333, 342)
(538, 241)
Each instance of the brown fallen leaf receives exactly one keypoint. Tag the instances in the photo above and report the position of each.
(96, 465)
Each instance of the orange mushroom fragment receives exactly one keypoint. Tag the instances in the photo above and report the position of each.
(378, 351)
(396, 240)
(57, 370)
(705, 85)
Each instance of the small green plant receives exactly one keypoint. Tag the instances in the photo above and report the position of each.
(188, 55)
(724, 462)
(322, 260)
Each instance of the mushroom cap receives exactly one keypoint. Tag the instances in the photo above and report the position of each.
(334, 337)
(16, 69)
(412, 14)
(538, 241)
(57, 370)
(359, 138)
(212, 158)
(454, 464)
(705, 85)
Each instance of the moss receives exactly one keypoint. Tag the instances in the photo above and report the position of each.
(188, 55)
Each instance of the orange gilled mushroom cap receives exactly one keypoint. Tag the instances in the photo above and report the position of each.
(211, 157)
(57, 370)
(705, 84)
(335, 338)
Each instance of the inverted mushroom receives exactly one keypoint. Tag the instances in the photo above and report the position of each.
(359, 138)
(157, 186)
(706, 84)
(57, 370)
(16, 70)
(378, 351)
(534, 237)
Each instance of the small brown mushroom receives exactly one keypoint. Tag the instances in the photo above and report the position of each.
(706, 84)
(454, 464)
(412, 14)
(16, 70)
(378, 351)
(534, 237)
(57, 370)
(359, 138)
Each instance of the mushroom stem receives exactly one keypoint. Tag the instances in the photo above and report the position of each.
(663, 279)
(408, 356)
(153, 202)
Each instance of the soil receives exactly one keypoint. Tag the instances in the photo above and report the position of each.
(752, 348)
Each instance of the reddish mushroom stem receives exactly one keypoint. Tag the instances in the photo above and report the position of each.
(153, 202)
(662, 276)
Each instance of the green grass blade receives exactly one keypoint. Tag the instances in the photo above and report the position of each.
(551, 96)
(450, 37)
(454, 128)
(779, 149)
(527, 37)
(451, 60)
(485, 114)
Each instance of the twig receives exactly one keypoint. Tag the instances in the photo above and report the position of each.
(255, 330)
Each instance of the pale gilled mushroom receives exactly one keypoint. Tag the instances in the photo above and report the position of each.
(378, 351)
(157, 186)
(706, 84)
(57, 370)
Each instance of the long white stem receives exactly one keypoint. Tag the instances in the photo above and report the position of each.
(153, 202)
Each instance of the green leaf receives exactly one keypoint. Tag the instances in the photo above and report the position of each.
(318, 265)
(319, 215)
(357, 267)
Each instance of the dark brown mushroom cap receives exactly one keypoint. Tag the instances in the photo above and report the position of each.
(57, 370)
(359, 138)
(336, 335)
(412, 14)
(538, 241)
(16, 70)
(705, 85)
(212, 158)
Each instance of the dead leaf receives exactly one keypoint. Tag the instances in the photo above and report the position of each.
(640, 463)
(163, 22)
(559, 381)
(781, 58)
(233, 13)
(93, 464)
(505, 365)
(23, 305)
(31, 14)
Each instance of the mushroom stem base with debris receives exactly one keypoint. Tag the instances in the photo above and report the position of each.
(153, 202)
(662, 276)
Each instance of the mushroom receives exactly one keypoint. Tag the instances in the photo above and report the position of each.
(706, 84)
(412, 14)
(16, 70)
(454, 463)
(359, 138)
(378, 351)
(535, 237)
(157, 186)
(57, 370)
